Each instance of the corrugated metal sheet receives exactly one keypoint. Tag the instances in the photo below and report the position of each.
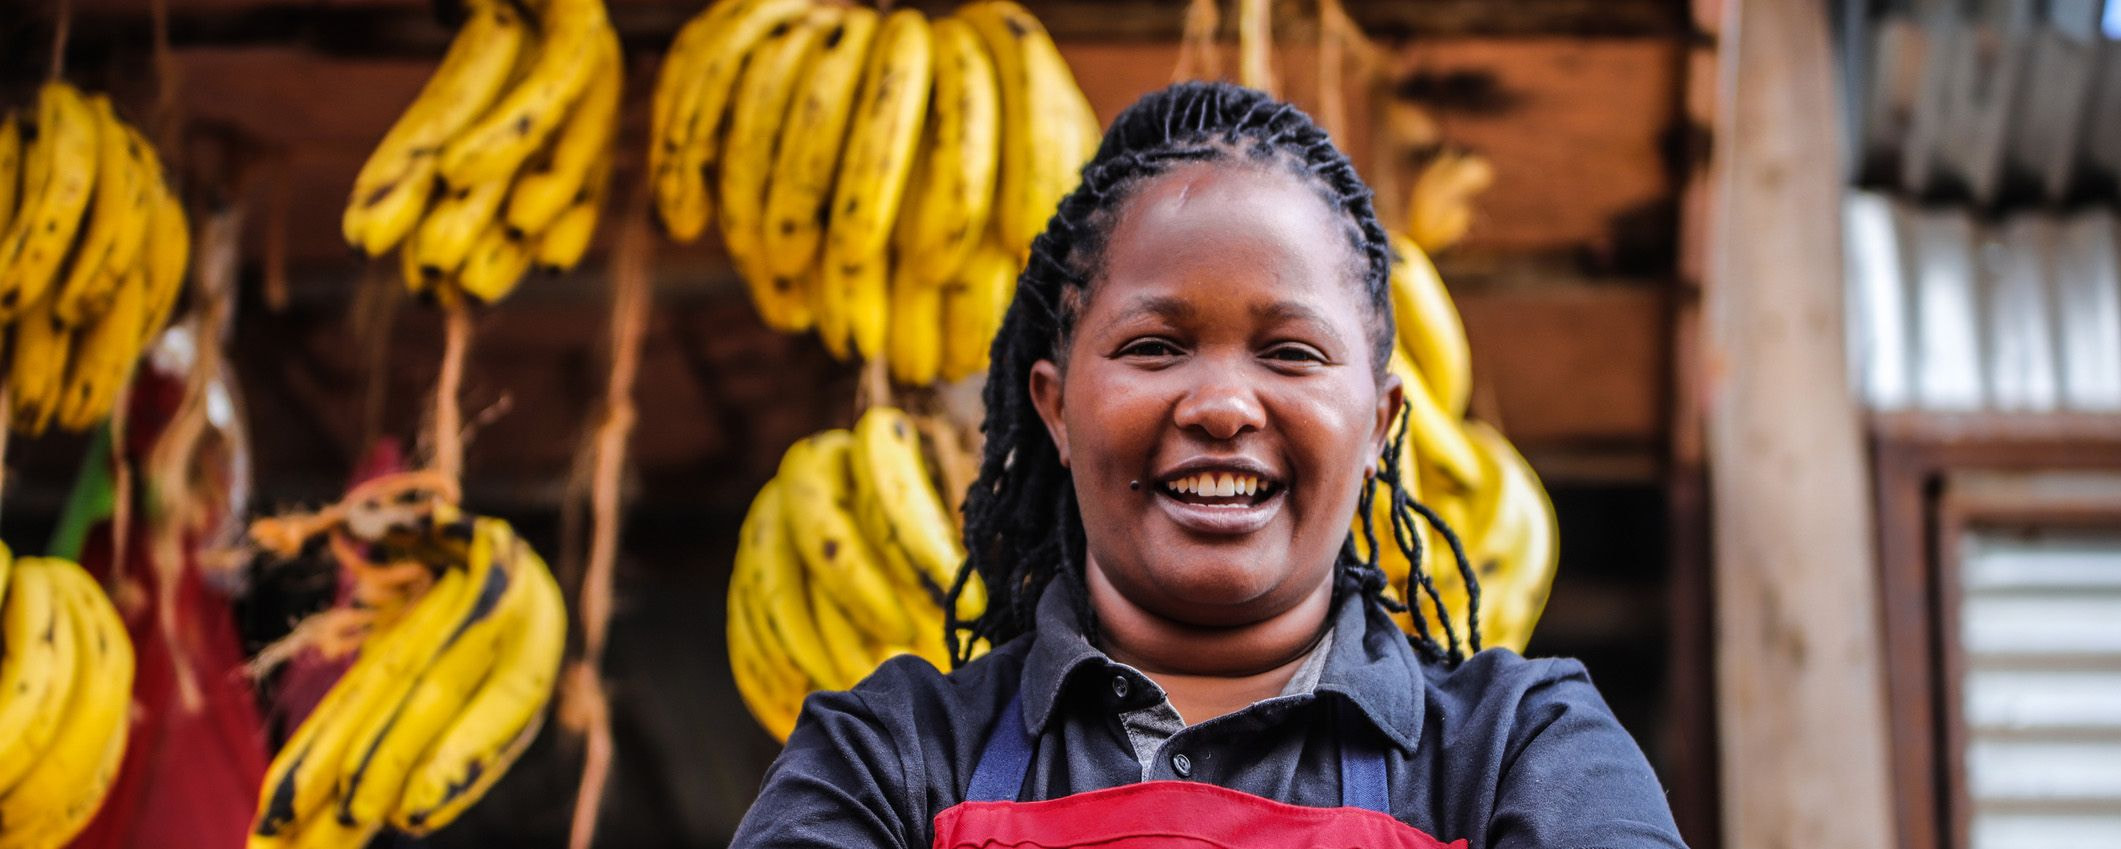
(2040, 626)
(1950, 313)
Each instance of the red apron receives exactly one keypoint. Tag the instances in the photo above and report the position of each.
(1166, 814)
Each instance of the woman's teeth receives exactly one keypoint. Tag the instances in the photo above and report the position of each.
(1212, 485)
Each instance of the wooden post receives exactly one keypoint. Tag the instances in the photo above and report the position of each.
(1800, 687)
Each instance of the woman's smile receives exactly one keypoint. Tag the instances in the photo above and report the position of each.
(1220, 496)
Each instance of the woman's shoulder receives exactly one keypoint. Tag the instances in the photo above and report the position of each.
(1499, 681)
(908, 693)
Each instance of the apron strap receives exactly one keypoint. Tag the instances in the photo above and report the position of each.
(999, 776)
(1363, 783)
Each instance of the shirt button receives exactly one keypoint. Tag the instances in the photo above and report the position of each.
(1182, 765)
(1119, 686)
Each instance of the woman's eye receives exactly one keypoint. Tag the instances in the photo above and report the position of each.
(1296, 354)
(1149, 348)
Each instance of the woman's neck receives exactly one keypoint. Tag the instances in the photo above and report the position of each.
(1209, 672)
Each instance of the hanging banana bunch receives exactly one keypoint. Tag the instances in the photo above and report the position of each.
(66, 665)
(503, 161)
(93, 249)
(460, 627)
(841, 564)
(878, 178)
(1465, 470)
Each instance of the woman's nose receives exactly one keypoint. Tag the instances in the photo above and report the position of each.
(1221, 409)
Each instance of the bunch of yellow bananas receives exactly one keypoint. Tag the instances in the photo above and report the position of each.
(879, 177)
(502, 162)
(1464, 469)
(842, 562)
(67, 672)
(449, 688)
(93, 246)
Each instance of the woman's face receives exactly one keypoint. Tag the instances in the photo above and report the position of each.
(1218, 409)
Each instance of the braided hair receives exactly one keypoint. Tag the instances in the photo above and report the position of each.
(1022, 526)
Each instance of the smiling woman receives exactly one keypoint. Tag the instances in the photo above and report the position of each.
(1189, 400)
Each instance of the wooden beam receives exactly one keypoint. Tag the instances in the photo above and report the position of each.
(399, 27)
(1800, 675)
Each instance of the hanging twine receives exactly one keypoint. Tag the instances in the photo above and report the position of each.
(584, 704)
(448, 436)
(62, 28)
(1198, 58)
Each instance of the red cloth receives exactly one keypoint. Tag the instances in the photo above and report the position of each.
(190, 778)
(1171, 815)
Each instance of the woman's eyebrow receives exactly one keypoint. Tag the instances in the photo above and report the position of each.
(1282, 312)
(1164, 307)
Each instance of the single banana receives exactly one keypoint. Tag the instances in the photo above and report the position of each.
(846, 645)
(396, 181)
(439, 692)
(497, 262)
(758, 110)
(563, 246)
(390, 216)
(166, 257)
(975, 297)
(37, 369)
(37, 668)
(491, 149)
(765, 541)
(103, 357)
(59, 795)
(543, 194)
(883, 137)
(10, 166)
(675, 97)
(502, 716)
(120, 197)
(891, 473)
(756, 680)
(948, 205)
(800, 188)
(687, 168)
(1041, 110)
(64, 160)
(446, 235)
(1430, 330)
(1440, 208)
(915, 340)
(859, 295)
(838, 559)
(766, 677)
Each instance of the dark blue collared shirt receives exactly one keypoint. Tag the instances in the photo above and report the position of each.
(1502, 751)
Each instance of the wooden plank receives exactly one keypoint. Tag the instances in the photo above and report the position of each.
(1579, 365)
(386, 27)
(1799, 665)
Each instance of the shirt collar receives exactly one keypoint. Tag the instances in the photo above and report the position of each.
(1367, 662)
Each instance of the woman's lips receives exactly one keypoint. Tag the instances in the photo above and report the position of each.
(1229, 519)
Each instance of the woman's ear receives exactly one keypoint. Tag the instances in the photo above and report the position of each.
(1391, 395)
(1046, 396)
